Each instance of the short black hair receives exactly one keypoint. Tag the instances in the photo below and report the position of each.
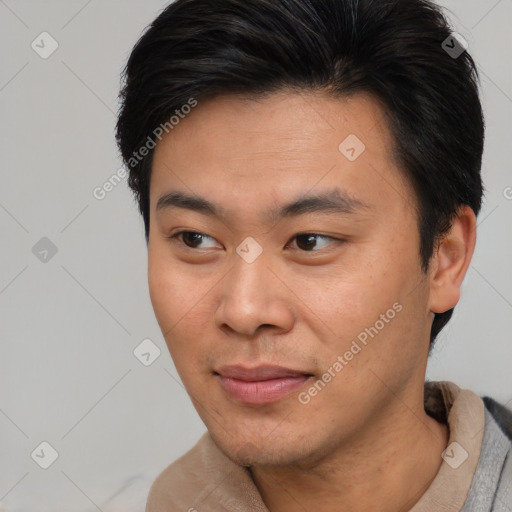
(394, 50)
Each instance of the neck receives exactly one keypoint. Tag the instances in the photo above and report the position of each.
(388, 467)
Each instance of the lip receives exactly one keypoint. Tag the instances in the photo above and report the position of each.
(262, 384)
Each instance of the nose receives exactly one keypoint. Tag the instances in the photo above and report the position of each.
(253, 297)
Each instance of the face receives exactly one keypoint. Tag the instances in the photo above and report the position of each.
(289, 291)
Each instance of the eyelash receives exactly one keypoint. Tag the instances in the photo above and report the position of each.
(175, 237)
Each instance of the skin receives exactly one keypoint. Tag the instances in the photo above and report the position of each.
(364, 440)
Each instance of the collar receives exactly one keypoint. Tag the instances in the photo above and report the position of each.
(204, 479)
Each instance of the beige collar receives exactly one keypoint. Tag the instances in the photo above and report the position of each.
(204, 479)
(465, 419)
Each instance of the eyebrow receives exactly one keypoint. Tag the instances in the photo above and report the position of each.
(329, 201)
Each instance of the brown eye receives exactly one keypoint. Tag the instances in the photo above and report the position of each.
(192, 239)
(309, 241)
(306, 242)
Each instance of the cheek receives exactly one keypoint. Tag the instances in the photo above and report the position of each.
(164, 290)
(350, 299)
(180, 300)
(369, 312)
(172, 293)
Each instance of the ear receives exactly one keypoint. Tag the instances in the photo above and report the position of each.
(451, 260)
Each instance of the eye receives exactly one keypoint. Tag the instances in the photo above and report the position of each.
(191, 239)
(308, 241)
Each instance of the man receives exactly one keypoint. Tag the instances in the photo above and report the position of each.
(309, 177)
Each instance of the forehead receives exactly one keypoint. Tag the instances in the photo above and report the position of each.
(279, 146)
(295, 123)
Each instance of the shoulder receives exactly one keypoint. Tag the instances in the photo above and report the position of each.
(501, 414)
(497, 454)
(179, 484)
(203, 479)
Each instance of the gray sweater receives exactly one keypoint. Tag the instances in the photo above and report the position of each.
(204, 479)
(491, 488)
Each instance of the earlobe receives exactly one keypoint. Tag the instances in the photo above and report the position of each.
(451, 261)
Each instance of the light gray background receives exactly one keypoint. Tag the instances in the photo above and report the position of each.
(69, 326)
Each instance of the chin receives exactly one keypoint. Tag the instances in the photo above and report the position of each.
(259, 451)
